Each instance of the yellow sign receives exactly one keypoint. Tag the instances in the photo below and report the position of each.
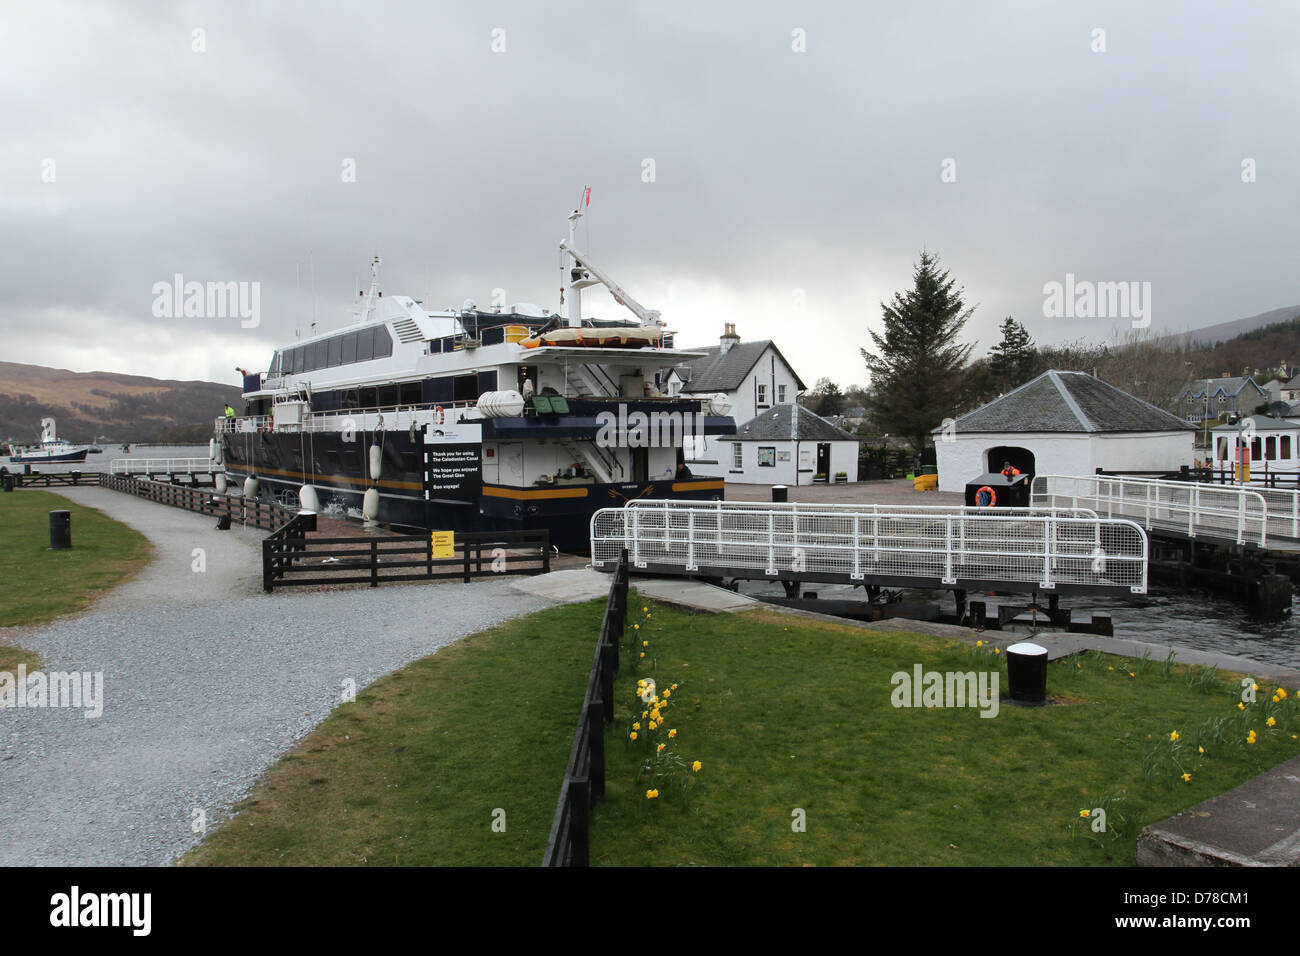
(444, 543)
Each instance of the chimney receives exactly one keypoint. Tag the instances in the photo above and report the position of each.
(728, 338)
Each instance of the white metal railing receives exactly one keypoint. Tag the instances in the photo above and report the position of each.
(933, 548)
(805, 507)
(1183, 507)
(158, 466)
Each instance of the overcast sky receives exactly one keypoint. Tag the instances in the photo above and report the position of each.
(799, 159)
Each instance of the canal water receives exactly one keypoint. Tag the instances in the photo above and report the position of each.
(1164, 616)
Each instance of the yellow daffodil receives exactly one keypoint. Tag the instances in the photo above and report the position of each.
(636, 627)
(1281, 692)
(667, 694)
(645, 643)
(979, 643)
(651, 794)
(636, 726)
(660, 748)
(1085, 813)
(1131, 674)
(632, 735)
(674, 687)
(1277, 699)
(1272, 721)
(643, 653)
(1187, 778)
(644, 609)
(1200, 750)
(1174, 735)
(653, 725)
(1254, 687)
(697, 766)
(997, 650)
(1110, 668)
(1078, 666)
(672, 733)
(1240, 705)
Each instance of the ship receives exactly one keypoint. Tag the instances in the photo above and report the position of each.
(49, 449)
(509, 418)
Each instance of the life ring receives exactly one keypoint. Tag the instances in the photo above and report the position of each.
(439, 416)
(993, 497)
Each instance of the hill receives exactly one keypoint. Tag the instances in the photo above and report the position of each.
(123, 407)
(1226, 331)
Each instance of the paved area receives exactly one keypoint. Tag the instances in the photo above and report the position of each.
(1256, 824)
(206, 683)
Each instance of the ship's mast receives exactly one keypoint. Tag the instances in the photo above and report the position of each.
(373, 296)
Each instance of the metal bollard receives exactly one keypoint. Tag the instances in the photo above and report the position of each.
(1027, 673)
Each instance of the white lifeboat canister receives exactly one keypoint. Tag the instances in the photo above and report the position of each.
(250, 487)
(308, 499)
(376, 462)
(370, 504)
(220, 483)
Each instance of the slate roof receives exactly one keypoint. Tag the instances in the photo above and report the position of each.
(790, 423)
(1263, 423)
(1068, 402)
(717, 372)
(1229, 386)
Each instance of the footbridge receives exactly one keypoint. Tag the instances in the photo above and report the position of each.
(1060, 550)
(1223, 514)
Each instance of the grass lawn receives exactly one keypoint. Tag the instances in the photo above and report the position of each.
(793, 724)
(40, 584)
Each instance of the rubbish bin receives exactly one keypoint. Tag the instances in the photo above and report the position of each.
(1027, 673)
(780, 493)
(60, 529)
(7, 482)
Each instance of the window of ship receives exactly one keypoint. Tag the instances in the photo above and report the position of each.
(365, 344)
(336, 350)
(349, 348)
(388, 395)
(297, 360)
(411, 463)
(369, 397)
(464, 388)
(410, 393)
(383, 342)
(351, 399)
(275, 364)
(319, 354)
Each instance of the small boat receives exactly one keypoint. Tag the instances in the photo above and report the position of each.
(50, 448)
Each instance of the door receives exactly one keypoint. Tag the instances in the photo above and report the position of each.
(824, 459)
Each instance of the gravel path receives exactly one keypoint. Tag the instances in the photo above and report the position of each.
(207, 682)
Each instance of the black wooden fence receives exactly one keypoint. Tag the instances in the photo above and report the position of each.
(584, 778)
(291, 558)
(267, 515)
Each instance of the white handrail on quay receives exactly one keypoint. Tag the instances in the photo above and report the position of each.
(160, 466)
(1045, 550)
(1184, 507)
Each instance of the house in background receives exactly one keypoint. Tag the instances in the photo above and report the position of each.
(754, 375)
(790, 445)
(1062, 423)
(1209, 398)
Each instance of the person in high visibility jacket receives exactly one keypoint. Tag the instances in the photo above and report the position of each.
(1009, 470)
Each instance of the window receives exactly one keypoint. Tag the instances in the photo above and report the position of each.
(410, 393)
(275, 364)
(780, 394)
(1254, 449)
(383, 343)
(349, 348)
(365, 345)
(737, 455)
(1285, 451)
(767, 457)
(297, 360)
(1223, 449)
(1270, 448)
(762, 394)
(336, 351)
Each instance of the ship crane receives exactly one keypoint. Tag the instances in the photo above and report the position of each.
(586, 274)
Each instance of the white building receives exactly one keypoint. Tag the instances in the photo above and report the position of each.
(789, 445)
(754, 375)
(1062, 423)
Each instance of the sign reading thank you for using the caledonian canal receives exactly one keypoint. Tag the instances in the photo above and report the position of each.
(455, 471)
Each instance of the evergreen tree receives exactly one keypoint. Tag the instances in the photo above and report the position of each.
(1014, 360)
(919, 367)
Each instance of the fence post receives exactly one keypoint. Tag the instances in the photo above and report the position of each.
(546, 551)
(374, 564)
(268, 580)
(596, 745)
(580, 821)
(465, 548)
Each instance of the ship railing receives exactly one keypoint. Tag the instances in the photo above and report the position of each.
(394, 416)
(161, 466)
(1185, 508)
(248, 423)
(926, 549)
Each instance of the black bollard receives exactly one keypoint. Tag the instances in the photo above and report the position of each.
(780, 494)
(1027, 673)
(60, 529)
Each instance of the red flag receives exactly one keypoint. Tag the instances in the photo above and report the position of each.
(587, 197)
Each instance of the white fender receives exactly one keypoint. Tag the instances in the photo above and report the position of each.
(376, 462)
(370, 504)
(220, 482)
(212, 449)
(308, 498)
(250, 487)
